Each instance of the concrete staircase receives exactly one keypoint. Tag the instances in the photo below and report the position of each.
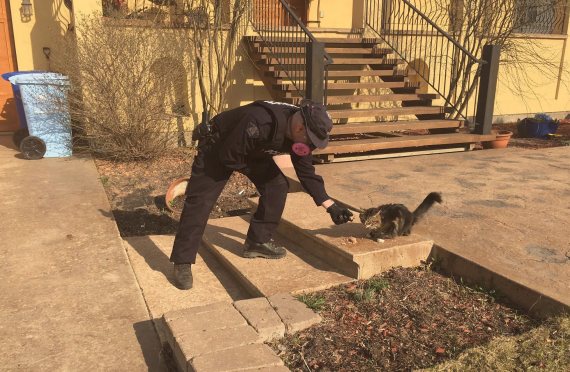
(378, 103)
(320, 254)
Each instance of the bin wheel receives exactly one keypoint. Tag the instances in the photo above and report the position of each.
(19, 135)
(33, 148)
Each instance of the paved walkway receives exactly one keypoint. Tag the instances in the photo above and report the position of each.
(505, 210)
(70, 300)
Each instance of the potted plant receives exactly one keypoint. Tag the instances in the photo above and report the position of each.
(501, 140)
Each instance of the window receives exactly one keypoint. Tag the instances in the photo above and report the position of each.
(539, 16)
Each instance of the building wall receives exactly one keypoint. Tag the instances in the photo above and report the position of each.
(548, 89)
(346, 14)
(52, 21)
(49, 22)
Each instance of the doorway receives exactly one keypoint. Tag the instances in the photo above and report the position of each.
(270, 13)
(8, 115)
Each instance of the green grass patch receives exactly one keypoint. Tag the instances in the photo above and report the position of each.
(313, 301)
(377, 284)
(365, 294)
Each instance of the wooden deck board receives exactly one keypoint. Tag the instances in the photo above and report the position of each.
(412, 110)
(365, 145)
(352, 128)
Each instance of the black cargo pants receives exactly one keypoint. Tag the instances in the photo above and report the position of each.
(206, 183)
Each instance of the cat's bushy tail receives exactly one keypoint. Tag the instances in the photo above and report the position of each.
(433, 197)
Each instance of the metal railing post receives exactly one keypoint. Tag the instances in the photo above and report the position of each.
(487, 89)
(315, 71)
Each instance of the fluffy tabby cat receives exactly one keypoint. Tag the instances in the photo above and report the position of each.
(390, 220)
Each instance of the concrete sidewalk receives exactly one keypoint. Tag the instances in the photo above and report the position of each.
(507, 211)
(70, 300)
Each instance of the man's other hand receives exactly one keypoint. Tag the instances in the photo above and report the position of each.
(339, 214)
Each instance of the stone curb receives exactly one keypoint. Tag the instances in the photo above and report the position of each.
(229, 337)
(262, 317)
(294, 314)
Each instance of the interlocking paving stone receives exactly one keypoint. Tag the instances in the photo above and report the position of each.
(212, 340)
(182, 313)
(248, 357)
(294, 314)
(189, 321)
(262, 317)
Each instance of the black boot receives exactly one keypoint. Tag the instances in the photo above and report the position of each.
(265, 250)
(183, 276)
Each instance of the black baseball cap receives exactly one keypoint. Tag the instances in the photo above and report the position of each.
(317, 122)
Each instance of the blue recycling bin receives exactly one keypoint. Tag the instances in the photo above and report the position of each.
(17, 96)
(44, 100)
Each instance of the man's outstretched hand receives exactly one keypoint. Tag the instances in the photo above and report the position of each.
(339, 214)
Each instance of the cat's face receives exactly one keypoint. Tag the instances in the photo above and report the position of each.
(370, 218)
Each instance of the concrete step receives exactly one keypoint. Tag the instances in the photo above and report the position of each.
(346, 247)
(297, 272)
(228, 337)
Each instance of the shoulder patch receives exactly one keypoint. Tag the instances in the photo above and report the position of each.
(252, 130)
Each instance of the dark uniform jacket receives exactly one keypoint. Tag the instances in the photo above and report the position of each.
(256, 132)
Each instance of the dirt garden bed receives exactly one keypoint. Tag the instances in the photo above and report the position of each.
(136, 192)
(408, 319)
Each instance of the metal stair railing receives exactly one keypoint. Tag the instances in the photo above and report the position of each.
(449, 68)
(292, 46)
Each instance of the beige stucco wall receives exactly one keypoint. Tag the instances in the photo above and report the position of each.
(51, 21)
(335, 13)
(543, 93)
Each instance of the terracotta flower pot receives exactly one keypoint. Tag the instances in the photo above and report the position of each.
(176, 189)
(501, 140)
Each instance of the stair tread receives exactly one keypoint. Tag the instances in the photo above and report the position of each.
(384, 111)
(331, 67)
(330, 50)
(352, 73)
(372, 60)
(326, 40)
(382, 84)
(354, 98)
(297, 271)
(387, 126)
(371, 144)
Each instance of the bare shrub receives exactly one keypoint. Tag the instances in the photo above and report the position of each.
(217, 29)
(124, 79)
